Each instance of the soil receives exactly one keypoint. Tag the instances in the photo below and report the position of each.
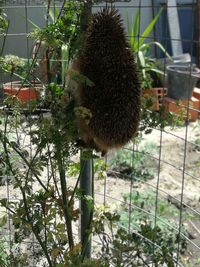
(177, 179)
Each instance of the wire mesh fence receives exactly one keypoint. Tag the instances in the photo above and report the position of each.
(136, 206)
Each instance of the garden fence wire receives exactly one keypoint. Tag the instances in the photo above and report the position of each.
(152, 183)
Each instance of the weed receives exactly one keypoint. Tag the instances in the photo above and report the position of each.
(143, 214)
(123, 247)
(136, 164)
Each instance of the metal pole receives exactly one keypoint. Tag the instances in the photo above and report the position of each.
(173, 22)
(86, 173)
(86, 180)
(198, 29)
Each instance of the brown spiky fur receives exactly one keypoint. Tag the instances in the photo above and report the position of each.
(114, 100)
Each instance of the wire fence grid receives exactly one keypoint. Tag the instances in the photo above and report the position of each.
(155, 179)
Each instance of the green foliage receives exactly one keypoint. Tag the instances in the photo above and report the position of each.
(10, 254)
(4, 170)
(3, 254)
(142, 48)
(143, 215)
(197, 140)
(133, 29)
(3, 21)
(48, 213)
(137, 164)
(158, 119)
(146, 81)
(146, 201)
(79, 78)
(63, 27)
(62, 38)
(150, 74)
(99, 166)
(14, 65)
(121, 247)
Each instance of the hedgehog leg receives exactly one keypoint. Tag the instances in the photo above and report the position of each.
(90, 144)
(103, 153)
(80, 143)
(87, 144)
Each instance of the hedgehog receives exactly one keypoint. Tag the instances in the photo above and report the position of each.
(114, 98)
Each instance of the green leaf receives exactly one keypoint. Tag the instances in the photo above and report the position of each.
(29, 20)
(158, 71)
(4, 202)
(148, 30)
(64, 60)
(73, 169)
(55, 252)
(159, 45)
(136, 31)
(79, 78)
(141, 59)
(89, 201)
(3, 221)
(54, 13)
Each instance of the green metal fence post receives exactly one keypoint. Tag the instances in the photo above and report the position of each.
(86, 172)
(86, 180)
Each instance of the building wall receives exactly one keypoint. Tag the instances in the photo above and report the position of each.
(17, 43)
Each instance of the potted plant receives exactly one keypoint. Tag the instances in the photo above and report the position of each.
(21, 89)
(24, 92)
(57, 42)
(152, 88)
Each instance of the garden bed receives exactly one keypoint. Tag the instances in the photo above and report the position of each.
(110, 190)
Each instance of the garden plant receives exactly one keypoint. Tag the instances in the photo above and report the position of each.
(37, 156)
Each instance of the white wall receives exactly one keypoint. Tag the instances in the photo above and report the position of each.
(16, 42)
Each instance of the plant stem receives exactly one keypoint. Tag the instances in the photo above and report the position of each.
(24, 199)
(35, 231)
(67, 215)
(61, 10)
(53, 174)
(4, 39)
(85, 15)
(27, 163)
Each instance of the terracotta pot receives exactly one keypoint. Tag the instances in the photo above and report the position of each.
(24, 93)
